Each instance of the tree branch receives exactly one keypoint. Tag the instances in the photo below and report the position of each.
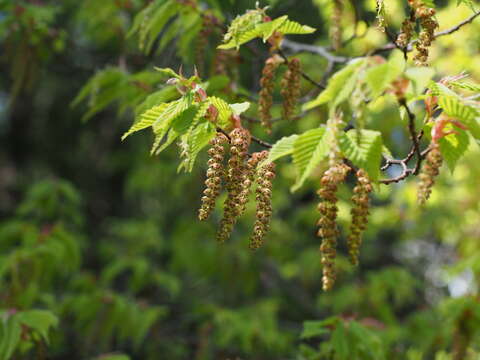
(296, 47)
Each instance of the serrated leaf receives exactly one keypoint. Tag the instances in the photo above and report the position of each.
(455, 108)
(282, 147)
(366, 152)
(267, 29)
(39, 320)
(380, 77)
(453, 147)
(224, 110)
(335, 86)
(293, 27)
(146, 120)
(465, 86)
(308, 150)
(197, 140)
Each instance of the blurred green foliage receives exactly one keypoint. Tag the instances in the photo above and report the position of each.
(101, 255)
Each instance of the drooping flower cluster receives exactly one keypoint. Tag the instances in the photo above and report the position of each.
(359, 214)
(430, 170)
(215, 174)
(235, 181)
(427, 34)
(428, 24)
(328, 229)
(267, 83)
(265, 175)
(291, 88)
(336, 24)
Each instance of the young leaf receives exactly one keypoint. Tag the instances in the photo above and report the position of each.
(197, 140)
(146, 120)
(453, 147)
(335, 86)
(224, 110)
(39, 320)
(240, 108)
(366, 152)
(308, 150)
(292, 27)
(454, 107)
(282, 147)
(10, 332)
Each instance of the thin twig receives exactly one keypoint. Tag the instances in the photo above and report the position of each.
(304, 75)
(296, 47)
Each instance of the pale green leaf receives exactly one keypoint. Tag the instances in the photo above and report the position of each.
(146, 120)
(366, 152)
(453, 147)
(266, 29)
(168, 72)
(308, 150)
(240, 108)
(282, 147)
(197, 140)
(292, 27)
(420, 77)
(335, 86)
(465, 86)
(224, 110)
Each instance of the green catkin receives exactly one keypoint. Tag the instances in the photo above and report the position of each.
(235, 178)
(267, 83)
(359, 214)
(291, 88)
(214, 176)
(430, 170)
(263, 214)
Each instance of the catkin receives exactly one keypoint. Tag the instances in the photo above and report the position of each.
(263, 214)
(267, 83)
(359, 214)
(291, 88)
(430, 170)
(328, 230)
(427, 34)
(235, 178)
(214, 176)
(336, 24)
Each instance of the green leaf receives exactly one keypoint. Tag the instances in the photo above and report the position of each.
(10, 332)
(340, 343)
(335, 86)
(292, 27)
(39, 320)
(317, 328)
(453, 147)
(224, 110)
(366, 152)
(308, 150)
(465, 86)
(420, 77)
(380, 77)
(146, 120)
(198, 139)
(282, 147)
(113, 357)
(168, 72)
(455, 108)
(267, 29)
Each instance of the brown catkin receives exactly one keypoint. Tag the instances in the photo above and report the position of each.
(427, 34)
(408, 27)
(265, 175)
(214, 176)
(267, 83)
(336, 24)
(430, 170)
(359, 214)
(291, 88)
(235, 178)
(328, 230)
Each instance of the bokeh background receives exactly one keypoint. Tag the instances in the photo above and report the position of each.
(101, 252)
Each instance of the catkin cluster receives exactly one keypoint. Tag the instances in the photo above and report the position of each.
(427, 34)
(336, 24)
(267, 83)
(291, 88)
(359, 214)
(430, 170)
(265, 175)
(328, 230)
(236, 177)
(215, 174)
